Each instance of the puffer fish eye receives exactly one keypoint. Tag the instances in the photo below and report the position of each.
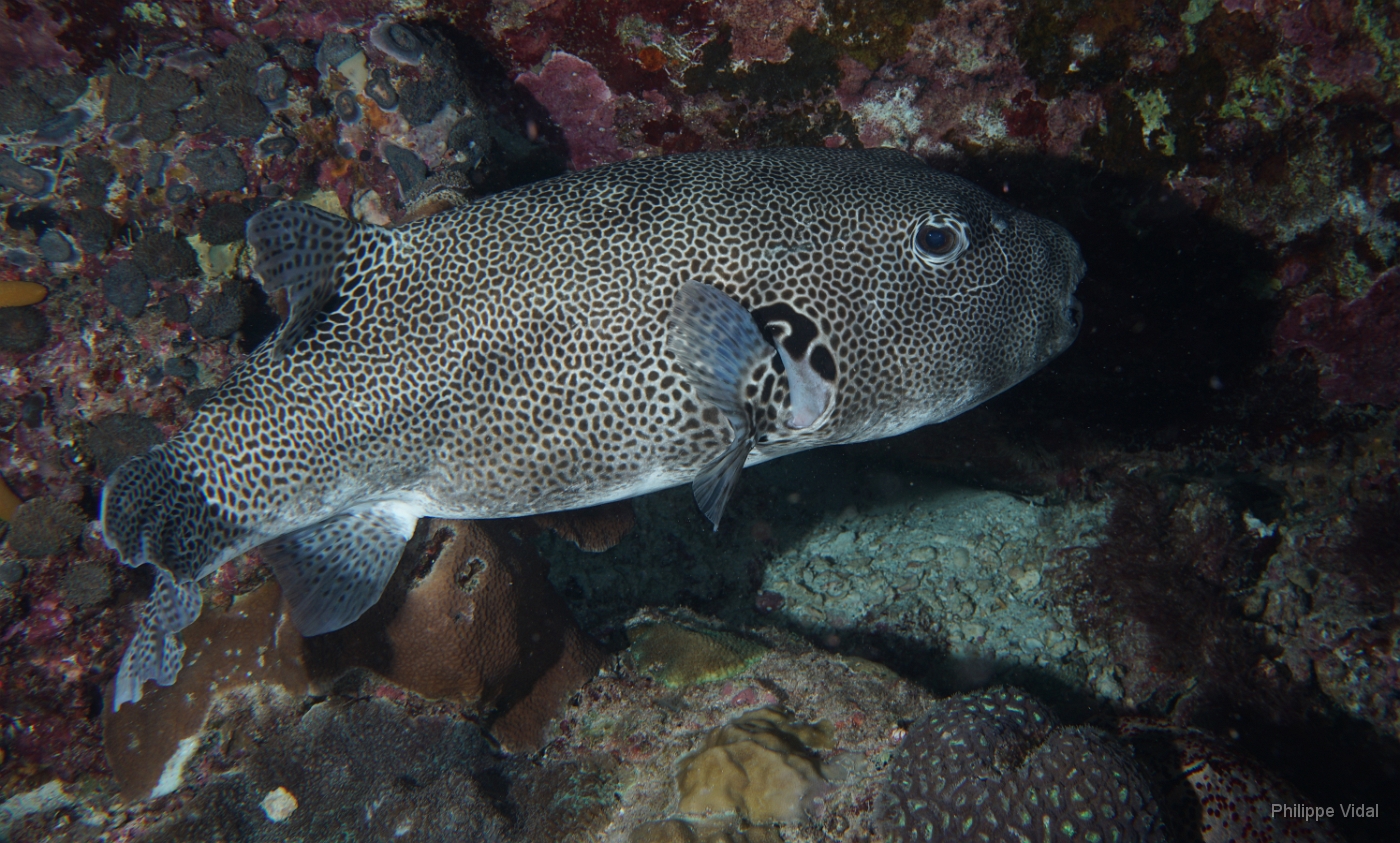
(939, 240)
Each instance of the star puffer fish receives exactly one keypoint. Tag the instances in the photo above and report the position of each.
(579, 340)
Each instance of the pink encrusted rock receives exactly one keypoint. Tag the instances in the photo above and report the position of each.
(29, 38)
(760, 29)
(959, 72)
(581, 104)
(1336, 52)
(1357, 343)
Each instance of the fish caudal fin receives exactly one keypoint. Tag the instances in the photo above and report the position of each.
(299, 248)
(333, 571)
(718, 343)
(150, 516)
(156, 651)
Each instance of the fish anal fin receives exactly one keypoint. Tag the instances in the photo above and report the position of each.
(335, 570)
(298, 248)
(719, 345)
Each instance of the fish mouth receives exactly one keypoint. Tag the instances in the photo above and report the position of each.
(1074, 317)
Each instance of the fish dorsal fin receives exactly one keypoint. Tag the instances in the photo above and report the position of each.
(298, 248)
(718, 344)
(333, 571)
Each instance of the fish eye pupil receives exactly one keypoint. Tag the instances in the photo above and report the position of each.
(936, 239)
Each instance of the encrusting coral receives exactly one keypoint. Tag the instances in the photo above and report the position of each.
(251, 644)
(684, 831)
(485, 625)
(997, 764)
(470, 615)
(679, 650)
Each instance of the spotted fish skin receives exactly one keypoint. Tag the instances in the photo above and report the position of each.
(580, 340)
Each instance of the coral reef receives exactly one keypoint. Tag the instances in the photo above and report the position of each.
(1190, 515)
(680, 651)
(470, 616)
(517, 651)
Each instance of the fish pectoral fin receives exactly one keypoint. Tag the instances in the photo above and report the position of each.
(298, 248)
(717, 480)
(719, 345)
(333, 571)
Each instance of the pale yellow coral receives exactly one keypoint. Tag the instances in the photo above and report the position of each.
(761, 766)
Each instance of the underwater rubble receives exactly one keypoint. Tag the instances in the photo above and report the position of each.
(1173, 551)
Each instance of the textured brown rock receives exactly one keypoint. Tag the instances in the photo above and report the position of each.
(486, 625)
(252, 643)
(470, 615)
(45, 526)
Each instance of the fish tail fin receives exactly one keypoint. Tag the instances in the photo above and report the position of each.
(150, 515)
(301, 249)
(156, 651)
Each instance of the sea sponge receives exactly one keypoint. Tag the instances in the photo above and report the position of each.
(679, 651)
(996, 764)
(762, 766)
(45, 526)
(250, 643)
(21, 293)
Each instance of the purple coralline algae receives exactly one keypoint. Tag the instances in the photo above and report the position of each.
(581, 104)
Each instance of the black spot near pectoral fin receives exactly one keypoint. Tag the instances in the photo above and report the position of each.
(298, 248)
(808, 365)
